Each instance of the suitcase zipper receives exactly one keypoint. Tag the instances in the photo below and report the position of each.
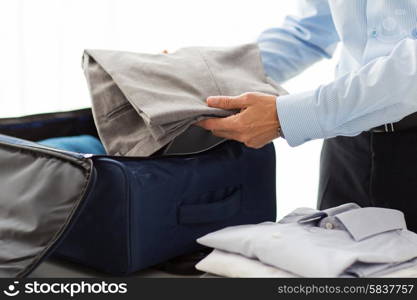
(9, 140)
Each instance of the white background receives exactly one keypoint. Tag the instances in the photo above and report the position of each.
(42, 42)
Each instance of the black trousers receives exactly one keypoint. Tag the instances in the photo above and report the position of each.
(371, 169)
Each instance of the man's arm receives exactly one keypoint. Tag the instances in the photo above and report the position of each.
(382, 91)
(299, 42)
(285, 51)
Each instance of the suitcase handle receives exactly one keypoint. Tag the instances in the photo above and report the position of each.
(211, 212)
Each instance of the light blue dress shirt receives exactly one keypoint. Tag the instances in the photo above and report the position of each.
(345, 240)
(376, 78)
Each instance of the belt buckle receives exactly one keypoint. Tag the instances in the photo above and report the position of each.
(387, 127)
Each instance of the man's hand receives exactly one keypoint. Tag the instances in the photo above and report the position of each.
(255, 125)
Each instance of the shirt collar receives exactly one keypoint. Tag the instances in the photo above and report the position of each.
(360, 222)
(310, 215)
(368, 221)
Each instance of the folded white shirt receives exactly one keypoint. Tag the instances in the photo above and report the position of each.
(228, 264)
(234, 265)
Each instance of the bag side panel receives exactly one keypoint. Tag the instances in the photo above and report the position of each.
(99, 238)
(40, 194)
(235, 181)
(132, 219)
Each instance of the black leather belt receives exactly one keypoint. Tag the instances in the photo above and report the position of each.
(408, 123)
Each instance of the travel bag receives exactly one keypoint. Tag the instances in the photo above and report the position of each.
(119, 214)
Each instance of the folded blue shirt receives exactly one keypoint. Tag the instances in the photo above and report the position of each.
(81, 144)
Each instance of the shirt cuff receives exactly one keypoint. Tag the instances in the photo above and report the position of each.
(298, 118)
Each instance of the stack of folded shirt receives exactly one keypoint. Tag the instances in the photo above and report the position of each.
(344, 241)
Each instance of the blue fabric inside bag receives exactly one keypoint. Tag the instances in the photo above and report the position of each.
(80, 143)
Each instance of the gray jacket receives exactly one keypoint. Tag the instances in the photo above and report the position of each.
(145, 102)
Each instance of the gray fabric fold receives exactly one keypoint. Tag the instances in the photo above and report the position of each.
(41, 191)
(144, 102)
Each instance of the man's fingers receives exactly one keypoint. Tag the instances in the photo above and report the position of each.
(230, 135)
(226, 102)
(200, 124)
(218, 123)
(211, 124)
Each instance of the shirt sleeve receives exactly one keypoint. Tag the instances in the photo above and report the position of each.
(382, 91)
(299, 42)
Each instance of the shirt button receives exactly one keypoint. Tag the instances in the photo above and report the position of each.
(329, 225)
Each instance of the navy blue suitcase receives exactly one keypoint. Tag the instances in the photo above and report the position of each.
(139, 212)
